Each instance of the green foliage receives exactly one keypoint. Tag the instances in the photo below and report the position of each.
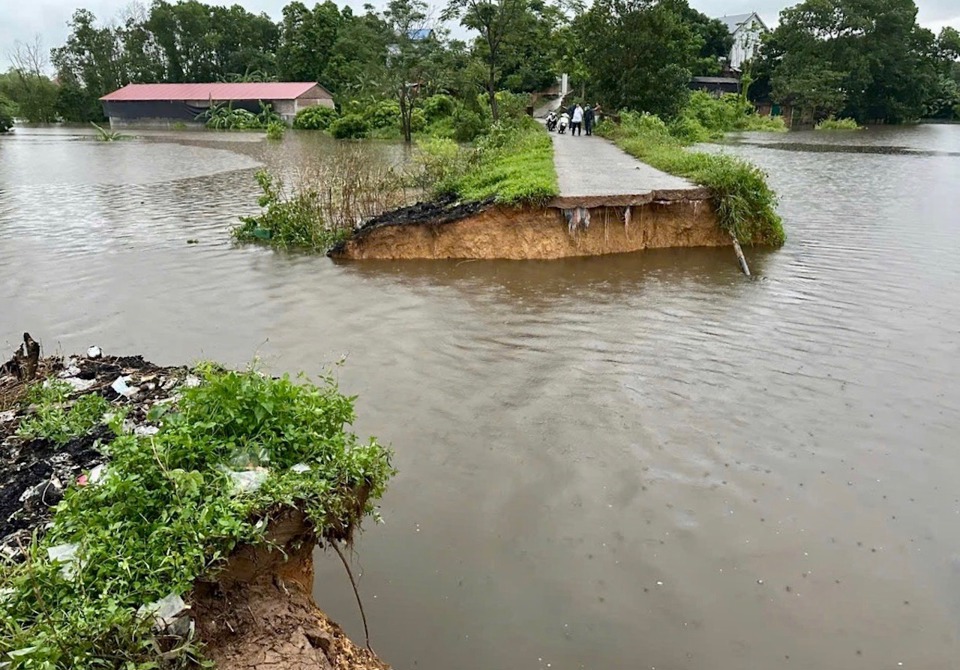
(639, 54)
(316, 117)
(223, 116)
(512, 164)
(167, 512)
(288, 220)
(104, 135)
(6, 114)
(382, 114)
(349, 126)
(54, 420)
(746, 206)
(838, 124)
(275, 130)
(438, 107)
(29, 90)
(865, 59)
(706, 117)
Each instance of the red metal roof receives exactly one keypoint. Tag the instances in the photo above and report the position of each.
(213, 91)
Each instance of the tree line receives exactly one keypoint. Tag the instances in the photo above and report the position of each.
(867, 59)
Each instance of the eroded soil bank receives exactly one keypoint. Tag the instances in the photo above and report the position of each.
(497, 232)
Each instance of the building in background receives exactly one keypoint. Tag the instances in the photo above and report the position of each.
(163, 104)
(747, 30)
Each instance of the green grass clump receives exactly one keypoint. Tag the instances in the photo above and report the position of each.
(316, 117)
(54, 421)
(166, 512)
(275, 130)
(512, 164)
(288, 219)
(838, 124)
(746, 206)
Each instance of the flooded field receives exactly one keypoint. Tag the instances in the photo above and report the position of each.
(636, 461)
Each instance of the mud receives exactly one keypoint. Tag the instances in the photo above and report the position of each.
(496, 232)
(260, 614)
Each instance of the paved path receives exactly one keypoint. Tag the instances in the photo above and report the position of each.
(592, 172)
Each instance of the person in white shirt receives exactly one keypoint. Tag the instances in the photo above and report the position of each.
(576, 123)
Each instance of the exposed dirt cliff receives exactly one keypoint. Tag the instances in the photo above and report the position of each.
(540, 232)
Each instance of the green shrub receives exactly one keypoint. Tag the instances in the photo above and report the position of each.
(716, 116)
(467, 124)
(288, 220)
(316, 117)
(384, 114)
(438, 107)
(54, 420)
(838, 124)
(6, 114)
(349, 126)
(275, 130)
(746, 206)
(166, 512)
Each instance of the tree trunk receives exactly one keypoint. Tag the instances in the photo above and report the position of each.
(492, 90)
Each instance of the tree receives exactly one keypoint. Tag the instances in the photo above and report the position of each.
(27, 84)
(493, 19)
(307, 39)
(639, 53)
(6, 114)
(869, 54)
(89, 65)
(406, 63)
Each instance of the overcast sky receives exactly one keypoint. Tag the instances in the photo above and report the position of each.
(24, 19)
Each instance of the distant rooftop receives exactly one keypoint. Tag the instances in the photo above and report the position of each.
(271, 90)
(734, 21)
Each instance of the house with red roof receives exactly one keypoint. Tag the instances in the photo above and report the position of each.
(164, 104)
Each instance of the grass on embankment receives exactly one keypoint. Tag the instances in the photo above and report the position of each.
(746, 206)
(512, 165)
(168, 510)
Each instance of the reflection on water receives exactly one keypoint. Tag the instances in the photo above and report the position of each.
(644, 460)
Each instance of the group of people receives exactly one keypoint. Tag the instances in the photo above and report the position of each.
(576, 118)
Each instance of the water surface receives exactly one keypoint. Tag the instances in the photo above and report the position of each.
(638, 461)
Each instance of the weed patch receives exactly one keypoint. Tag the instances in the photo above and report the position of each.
(53, 421)
(838, 124)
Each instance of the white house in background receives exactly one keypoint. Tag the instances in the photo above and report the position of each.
(746, 30)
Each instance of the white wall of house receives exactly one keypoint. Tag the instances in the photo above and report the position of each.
(746, 42)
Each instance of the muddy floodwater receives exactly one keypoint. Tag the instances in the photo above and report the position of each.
(637, 461)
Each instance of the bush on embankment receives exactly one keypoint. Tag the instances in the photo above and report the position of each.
(170, 508)
(746, 206)
(706, 117)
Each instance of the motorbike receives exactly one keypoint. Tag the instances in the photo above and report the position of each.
(552, 122)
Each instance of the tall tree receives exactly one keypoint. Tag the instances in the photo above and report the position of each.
(639, 53)
(869, 54)
(494, 20)
(406, 71)
(27, 84)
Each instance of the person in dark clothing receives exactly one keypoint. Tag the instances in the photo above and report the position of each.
(571, 109)
(588, 118)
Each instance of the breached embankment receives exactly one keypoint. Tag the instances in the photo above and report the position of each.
(565, 227)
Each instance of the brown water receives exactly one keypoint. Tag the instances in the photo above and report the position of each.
(645, 461)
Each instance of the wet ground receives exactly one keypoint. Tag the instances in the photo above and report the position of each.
(624, 462)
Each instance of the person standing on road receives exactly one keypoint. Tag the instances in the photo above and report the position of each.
(576, 121)
(588, 120)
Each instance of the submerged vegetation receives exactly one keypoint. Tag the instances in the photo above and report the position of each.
(323, 205)
(225, 117)
(105, 135)
(705, 117)
(745, 203)
(233, 452)
(838, 124)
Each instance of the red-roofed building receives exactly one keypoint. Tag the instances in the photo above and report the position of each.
(171, 103)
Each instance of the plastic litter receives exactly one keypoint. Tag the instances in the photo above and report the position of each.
(66, 554)
(97, 474)
(143, 430)
(94, 352)
(192, 381)
(124, 389)
(247, 481)
(164, 610)
(301, 467)
(78, 384)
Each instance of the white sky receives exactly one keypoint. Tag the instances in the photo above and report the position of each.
(23, 20)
